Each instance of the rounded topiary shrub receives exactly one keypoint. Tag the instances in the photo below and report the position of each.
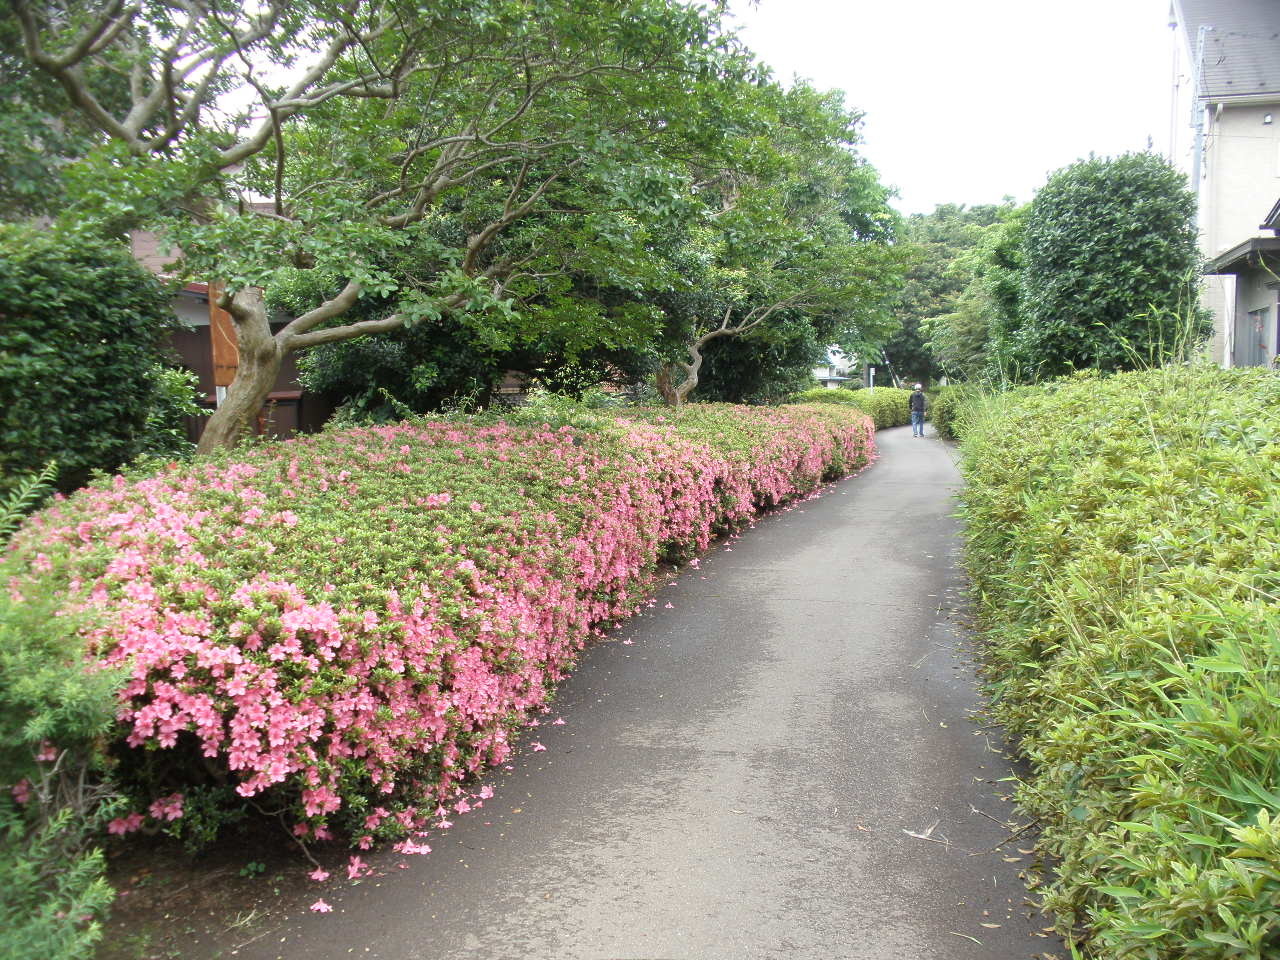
(82, 327)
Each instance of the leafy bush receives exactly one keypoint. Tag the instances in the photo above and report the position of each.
(1124, 540)
(1109, 272)
(79, 354)
(23, 496)
(53, 802)
(886, 405)
(175, 399)
(349, 626)
(946, 408)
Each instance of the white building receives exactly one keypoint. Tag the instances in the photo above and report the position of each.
(1227, 76)
(837, 371)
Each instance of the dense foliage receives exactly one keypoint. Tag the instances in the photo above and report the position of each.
(81, 348)
(934, 284)
(948, 408)
(887, 406)
(565, 177)
(348, 628)
(1124, 541)
(972, 341)
(53, 717)
(1109, 270)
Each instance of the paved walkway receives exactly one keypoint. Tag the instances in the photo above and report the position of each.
(738, 773)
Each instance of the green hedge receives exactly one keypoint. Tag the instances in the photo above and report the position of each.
(946, 409)
(1124, 543)
(887, 405)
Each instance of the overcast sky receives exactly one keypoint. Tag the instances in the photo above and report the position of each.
(969, 102)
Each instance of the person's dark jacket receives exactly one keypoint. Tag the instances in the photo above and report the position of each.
(917, 401)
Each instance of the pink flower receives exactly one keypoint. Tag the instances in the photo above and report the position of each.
(476, 507)
(22, 791)
(537, 747)
(321, 907)
(319, 874)
(123, 825)
(167, 808)
(558, 722)
(356, 868)
(409, 846)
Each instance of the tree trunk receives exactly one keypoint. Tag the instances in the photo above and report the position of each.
(665, 387)
(674, 394)
(256, 372)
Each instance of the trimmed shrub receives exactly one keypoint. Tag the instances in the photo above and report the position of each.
(886, 405)
(80, 351)
(352, 625)
(946, 408)
(1109, 270)
(1124, 542)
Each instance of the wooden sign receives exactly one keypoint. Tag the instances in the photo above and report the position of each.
(222, 336)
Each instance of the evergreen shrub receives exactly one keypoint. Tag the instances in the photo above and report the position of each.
(348, 627)
(82, 331)
(1109, 274)
(1124, 543)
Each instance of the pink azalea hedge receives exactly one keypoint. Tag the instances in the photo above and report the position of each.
(348, 626)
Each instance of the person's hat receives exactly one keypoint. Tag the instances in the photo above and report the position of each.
(919, 386)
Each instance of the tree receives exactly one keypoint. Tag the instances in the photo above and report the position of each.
(1109, 269)
(479, 141)
(934, 282)
(972, 341)
(796, 232)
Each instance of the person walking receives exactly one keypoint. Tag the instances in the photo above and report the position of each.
(917, 404)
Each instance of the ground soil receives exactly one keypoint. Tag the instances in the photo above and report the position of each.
(222, 900)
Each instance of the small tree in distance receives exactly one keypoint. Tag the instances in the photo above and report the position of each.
(1109, 270)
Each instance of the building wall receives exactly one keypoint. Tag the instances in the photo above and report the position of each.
(1242, 173)
(1240, 159)
(1256, 291)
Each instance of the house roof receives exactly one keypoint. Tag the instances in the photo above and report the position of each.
(1241, 52)
(1272, 221)
(1250, 255)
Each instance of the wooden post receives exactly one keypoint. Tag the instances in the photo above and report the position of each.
(222, 337)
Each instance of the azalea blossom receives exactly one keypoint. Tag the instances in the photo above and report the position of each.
(281, 674)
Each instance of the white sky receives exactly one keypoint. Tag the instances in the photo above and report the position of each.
(967, 102)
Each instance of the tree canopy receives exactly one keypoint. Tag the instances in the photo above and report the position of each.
(934, 284)
(542, 172)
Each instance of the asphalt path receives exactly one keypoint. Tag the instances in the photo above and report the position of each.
(778, 759)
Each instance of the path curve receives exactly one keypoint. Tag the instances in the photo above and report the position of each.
(738, 772)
